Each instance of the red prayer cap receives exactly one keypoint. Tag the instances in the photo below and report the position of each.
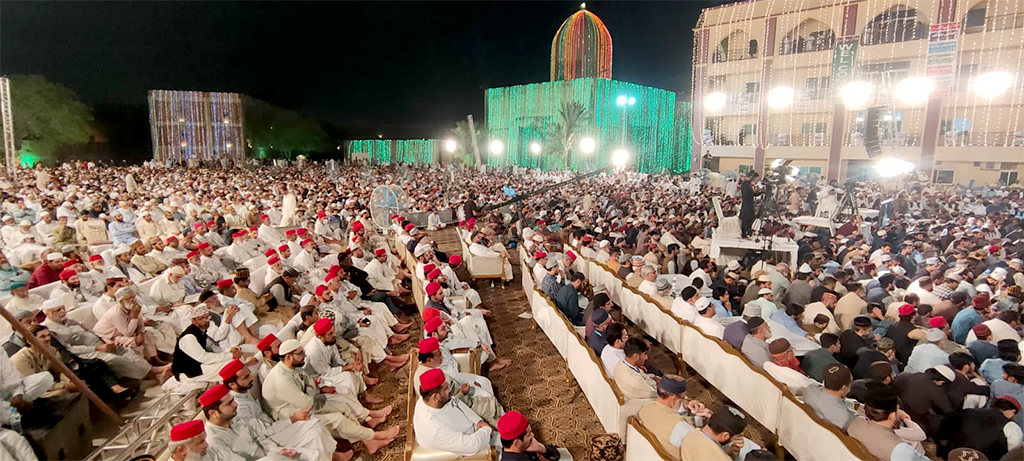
(357, 226)
(246, 231)
(320, 290)
(213, 395)
(334, 269)
(454, 260)
(67, 273)
(265, 343)
(937, 322)
(289, 232)
(512, 425)
(587, 238)
(981, 330)
(470, 222)
(431, 379)
(323, 325)
(330, 276)
(393, 217)
(191, 254)
(283, 247)
(1013, 401)
(432, 288)
(434, 274)
(301, 231)
(304, 242)
(462, 223)
(264, 217)
(571, 255)
(171, 238)
(270, 252)
(906, 309)
(198, 226)
(410, 226)
(994, 249)
(273, 260)
(222, 284)
(321, 214)
(237, 234)
(95, 258)
(429, 345)
(211, 223)
(187, 430)
(203, 245)
(427, 268)
(430, 313)
(70, 262)
(981, 302)
(231, 369)
(540, 255)
(432, 325)
(379, 251)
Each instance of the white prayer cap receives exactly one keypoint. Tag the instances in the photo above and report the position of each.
(934, 335)
(983, 288)
(54, 256)
(421, 250)
(538, 238)
(53, 303)
(946, 372)
(123, 292)
(702, 304)
(597, 229)
(603, 244)
(764, 291)
(196, 311)
(805, 268)
(146, 213)
(306, 298)
(24, 222)
(289, 346)
(116, 213)
(122, 249)
(733, 265)
(931, 261)
(176, 270)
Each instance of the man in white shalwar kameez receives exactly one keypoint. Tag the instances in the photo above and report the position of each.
(478, 248)
(447, 424)
(198, 357)
(474, 390)
(324, 361)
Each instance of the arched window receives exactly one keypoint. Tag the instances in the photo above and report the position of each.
(737, 46)
(897, 24)
(981, 18)
(810, 35)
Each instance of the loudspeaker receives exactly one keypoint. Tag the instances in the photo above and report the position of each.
(872, 140)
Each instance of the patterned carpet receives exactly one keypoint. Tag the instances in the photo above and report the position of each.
(537, 383)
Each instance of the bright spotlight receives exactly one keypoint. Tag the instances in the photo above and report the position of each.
(587, 145)
(631, 101)
(776, 163)
(497, 147)
(229, 145)
(992, 84)
(450, 145)
(781, 97)
(620, 157)
(856, 94)
(890, 167)
(914, 90)
(621, 100)
(715, 102)
(535, 148)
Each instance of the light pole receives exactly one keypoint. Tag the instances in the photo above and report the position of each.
(623, 101)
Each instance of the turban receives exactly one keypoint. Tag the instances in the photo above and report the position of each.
(95, 258)
(273, 260)
(70, 262)
(223, 284)
(203, 245)
(270, 252)
(192, 254)
(434, 274)
(454, 260)
(429, 314)
(410, 226)
(283, 247)
(67, 274)
(379, 252)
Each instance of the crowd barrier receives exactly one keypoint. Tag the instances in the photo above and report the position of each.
(642, 445)
(799, 429)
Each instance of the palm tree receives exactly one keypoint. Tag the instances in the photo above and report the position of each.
(465, 139)
(573, 116)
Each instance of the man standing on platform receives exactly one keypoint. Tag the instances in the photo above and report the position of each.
(747, 204)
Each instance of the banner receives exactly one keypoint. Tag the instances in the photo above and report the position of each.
(940, 64)
(844, 60)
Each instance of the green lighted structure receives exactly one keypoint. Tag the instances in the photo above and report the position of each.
(520, 116)
(382, 151)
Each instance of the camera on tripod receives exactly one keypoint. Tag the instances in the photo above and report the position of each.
(779, 172)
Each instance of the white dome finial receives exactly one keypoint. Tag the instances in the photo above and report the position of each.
(583, 5)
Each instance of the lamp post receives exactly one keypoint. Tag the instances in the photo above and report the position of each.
(623, 101)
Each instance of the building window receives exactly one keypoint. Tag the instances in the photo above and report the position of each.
(980, 18)
(1008, 178)
(885, 75)
(810, 35)
(943, 176)
(813, 127)
(817, 87)
(737, 46)
(805, 170)
(750, 128)
(745, 169)
(716, 83)
(897, 24)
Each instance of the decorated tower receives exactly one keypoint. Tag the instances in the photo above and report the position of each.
(582, 48)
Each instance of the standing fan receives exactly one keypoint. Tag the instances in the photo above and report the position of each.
(386, 201)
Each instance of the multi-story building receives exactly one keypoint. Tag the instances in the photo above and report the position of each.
(196, 127)
(806, 80)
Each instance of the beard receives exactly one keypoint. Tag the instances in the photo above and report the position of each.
(193, 456)
(74, 286)
(275, 358)
(331, 342)
(5, 266)
(299, 364)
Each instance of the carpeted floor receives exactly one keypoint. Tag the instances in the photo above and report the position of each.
(536, 383)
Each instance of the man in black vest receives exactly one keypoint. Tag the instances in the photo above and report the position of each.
(196, 356)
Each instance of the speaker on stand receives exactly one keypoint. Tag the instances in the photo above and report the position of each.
(872, 136)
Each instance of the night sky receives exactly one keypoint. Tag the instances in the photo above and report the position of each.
(404, 68)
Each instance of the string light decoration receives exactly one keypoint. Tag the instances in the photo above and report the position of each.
(970, 51)
(524, 114)
(196, 126)
(382, 151)
(582, 48)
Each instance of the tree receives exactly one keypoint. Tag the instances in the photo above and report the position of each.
(465, 140)
(279, 130)
(47, 115)
(563, 134)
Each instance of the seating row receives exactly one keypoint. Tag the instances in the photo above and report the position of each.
(799, 429)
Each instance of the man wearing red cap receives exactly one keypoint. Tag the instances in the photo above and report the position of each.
(382, 276)
(71, 285)
(375, 334)
(268, 233)
(518, 442)
(210, 262)
(324, 362)
(484, 248)
(438, 328)
(442, 423)
(288, 389)
(476, 391)
(94, 278)
(188, 442)
(458, 287)
(299, 431)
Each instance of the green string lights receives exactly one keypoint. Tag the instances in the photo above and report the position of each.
(397, 150)
(525, 116)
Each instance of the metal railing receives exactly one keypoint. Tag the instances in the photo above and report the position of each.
(149, 432)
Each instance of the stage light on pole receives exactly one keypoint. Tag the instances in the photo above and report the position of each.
(450, 145)
(497, 147)
(620, 157)
(914, 90)
(890, 167)
(587, 145)
(856, 94)
(992, 84)
(715, 102)
(535, 148)
(781, 97)
(621, 100)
